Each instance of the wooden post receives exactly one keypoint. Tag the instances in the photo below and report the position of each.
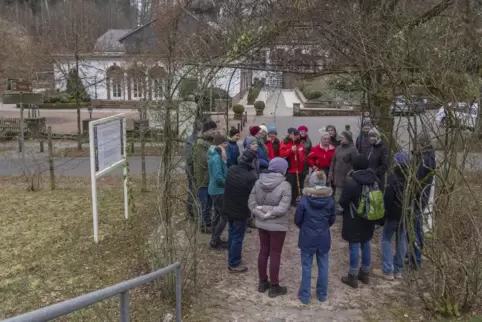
(143, 159)
(51, 158)
(41, 145)
(239, 130)
(132, 145)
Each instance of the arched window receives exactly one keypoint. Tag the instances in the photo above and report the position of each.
(137, 82)
(115, 82)
(157, 76)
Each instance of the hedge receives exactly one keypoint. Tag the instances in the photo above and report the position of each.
(63, 106)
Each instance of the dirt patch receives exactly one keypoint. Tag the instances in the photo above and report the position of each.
(48, 254)
(230, 297)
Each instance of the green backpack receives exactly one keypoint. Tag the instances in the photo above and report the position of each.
(371, 205)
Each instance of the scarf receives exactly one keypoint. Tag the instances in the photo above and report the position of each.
(262, 145)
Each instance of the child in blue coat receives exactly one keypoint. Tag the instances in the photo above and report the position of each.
(314, 216)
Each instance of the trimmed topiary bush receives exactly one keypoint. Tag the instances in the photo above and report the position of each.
(253, 94)
(259, 105)
(238, 108)
(63, 106)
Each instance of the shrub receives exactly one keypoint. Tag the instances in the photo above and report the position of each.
(64, 97)
(238, 108)
(259, 105)
(312, 95)
(253, 94)
(217, 93)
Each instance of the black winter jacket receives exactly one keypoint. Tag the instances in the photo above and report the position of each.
(240, 181)
(377, 156)
(363, 144)
(394, 193)
(356, 229)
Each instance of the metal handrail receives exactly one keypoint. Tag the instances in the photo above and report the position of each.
(63, 308)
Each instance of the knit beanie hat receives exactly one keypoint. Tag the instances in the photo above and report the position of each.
(209, 125)
(248, 156)
(272, 129)
(219, 139)
(302, 128)
(250, 140)
(424, 140)
(317, 178)
(347, 135)
(366, 122)
(360, 162)
(264, 128)
(401, 158)
(278, 165)
(254, 130)
(294, 131)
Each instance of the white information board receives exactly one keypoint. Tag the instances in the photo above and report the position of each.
(107, 140)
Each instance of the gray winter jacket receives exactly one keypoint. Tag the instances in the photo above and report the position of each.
(271, 195)
(341, 163)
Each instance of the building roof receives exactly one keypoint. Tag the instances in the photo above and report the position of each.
(109, 42)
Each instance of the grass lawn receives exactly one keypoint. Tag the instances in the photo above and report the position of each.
(48, 253)
(322, 84)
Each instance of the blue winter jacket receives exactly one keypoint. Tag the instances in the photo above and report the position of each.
(314, 216)
(263, 158)
(218, 171)
(233, 153)
(425, 175)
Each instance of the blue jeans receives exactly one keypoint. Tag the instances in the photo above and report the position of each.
(393, 264)
(304, 292)
(236, 231)
(355, 257)
(206, 203)
(190, 198)
(416, 256)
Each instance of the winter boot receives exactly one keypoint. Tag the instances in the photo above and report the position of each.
(277, 290)
(364, 277)
(263, 286)
(350, 280)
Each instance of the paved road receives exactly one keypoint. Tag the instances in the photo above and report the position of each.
(402, 124)
(78, 167)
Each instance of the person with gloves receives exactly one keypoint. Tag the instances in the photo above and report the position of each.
(293, 150)
(314, 216)
(305, 139)
(272, 142)
(269, 202)
(321, 154)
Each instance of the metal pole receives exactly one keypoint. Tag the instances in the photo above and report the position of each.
(126, 170)
(22, 137)
(51, 158)
(178, 294)
(124, 306)
(93, 180)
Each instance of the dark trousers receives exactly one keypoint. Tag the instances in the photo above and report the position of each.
(219, 220)
(271, 245)
(415, 253)
(236, 232)
(293, 181)
(205, 205)
(190, 198)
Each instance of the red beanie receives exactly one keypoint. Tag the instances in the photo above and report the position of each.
(303, 128)
(254, 130)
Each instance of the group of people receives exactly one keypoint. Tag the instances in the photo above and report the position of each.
(264, 179)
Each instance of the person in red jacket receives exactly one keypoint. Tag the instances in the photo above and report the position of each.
(293, 150)
(272, 142)
(321, 154)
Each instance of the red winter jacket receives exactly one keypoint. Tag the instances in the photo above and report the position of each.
(286, 151)
(273, 148)
(320, 157)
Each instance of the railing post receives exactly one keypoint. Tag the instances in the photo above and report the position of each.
(124, 306)
(178, 294)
